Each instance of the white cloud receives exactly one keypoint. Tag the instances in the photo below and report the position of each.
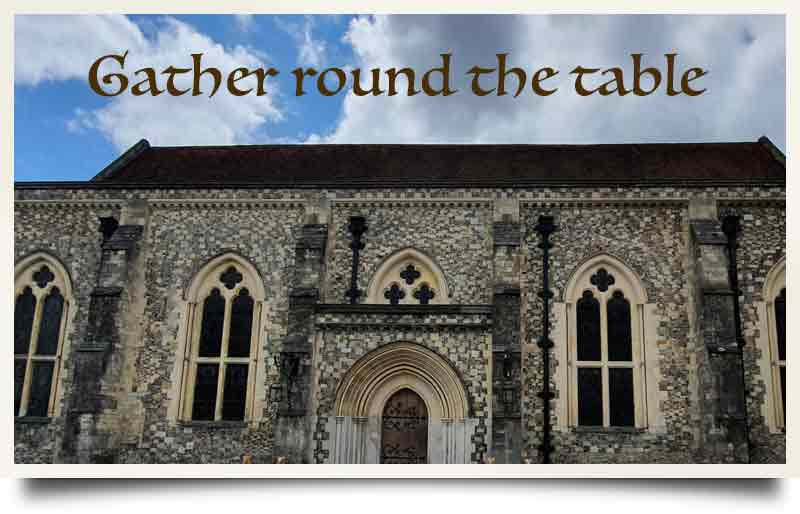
(310, 51)
(163, 120)
(244, 22)
(744, 55)
(52, 48)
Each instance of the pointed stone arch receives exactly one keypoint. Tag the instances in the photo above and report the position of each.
(381, 373)
(625, 279)
(775, 281)
(34, 260)
(388, 274)
(200, 279)
(768, 341)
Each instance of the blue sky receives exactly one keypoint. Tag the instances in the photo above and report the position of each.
(64, 131)
(45, 148)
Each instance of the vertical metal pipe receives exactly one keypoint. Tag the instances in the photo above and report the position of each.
(545, 228)
(357, 228)
(731, 226)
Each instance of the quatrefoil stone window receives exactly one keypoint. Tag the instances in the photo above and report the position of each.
(408, 277)
(230, 277)
(424, 294)
(602, 279)
(410, 274)
(394, 294)
(43, 277)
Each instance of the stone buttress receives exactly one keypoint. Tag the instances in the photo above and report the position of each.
(94, 430)
(721, 392)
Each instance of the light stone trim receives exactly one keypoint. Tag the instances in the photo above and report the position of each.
(560, 336)
(413, 202)
(653, 201)
(767, 343)
(751, 202)
(388, 273)
(184, 372)
(556, 201)
(221, 203)
(69, 204)
(207, 277)
(523, 199)
(23, 277)
(644, 332)
(382, 372)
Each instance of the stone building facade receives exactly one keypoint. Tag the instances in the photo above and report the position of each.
(405, 304)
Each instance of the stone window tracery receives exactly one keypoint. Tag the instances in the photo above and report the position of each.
(42, 293)
(225, 303)
(408, 277)
(606, 378)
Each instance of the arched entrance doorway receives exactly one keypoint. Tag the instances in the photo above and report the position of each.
(404, 436)
(400, 383)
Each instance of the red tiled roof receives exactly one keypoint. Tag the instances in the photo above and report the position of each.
(447, 165)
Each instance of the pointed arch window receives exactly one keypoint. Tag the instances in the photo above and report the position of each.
(40, 317)
(408, 277)
(226, 300)
(607, 383)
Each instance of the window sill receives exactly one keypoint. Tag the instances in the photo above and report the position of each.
(32, 420)
(610, 430)
(213, 424)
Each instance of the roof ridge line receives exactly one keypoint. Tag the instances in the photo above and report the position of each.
(115, 165)
(455, 145)
(773, 150)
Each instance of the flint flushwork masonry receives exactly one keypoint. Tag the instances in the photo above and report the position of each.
(323, 372)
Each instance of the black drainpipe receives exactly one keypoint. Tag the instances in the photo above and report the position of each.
(732, 228)
(357, 228)
(545, 228)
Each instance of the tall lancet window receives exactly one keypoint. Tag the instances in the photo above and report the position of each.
(604, 302)
(226, 299)
(40, 319)
(590, 380)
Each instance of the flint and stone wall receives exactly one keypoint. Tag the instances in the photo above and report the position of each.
(483, 261)
(762, 246)
(69, 234)
(648, 240)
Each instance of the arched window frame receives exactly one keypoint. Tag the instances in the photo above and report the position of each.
(24, 273)
(627, 283)
(388, 272)
(773, 285)
(204, 282)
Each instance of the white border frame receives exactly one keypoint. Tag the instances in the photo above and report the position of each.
(395, 6)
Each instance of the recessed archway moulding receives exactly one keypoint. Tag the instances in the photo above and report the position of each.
(373, 379)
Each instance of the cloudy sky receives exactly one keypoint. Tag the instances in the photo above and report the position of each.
(64, 131)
